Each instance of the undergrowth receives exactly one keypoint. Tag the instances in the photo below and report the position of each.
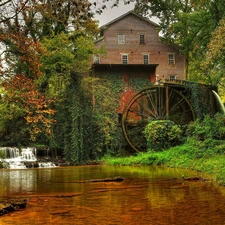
(203, 151)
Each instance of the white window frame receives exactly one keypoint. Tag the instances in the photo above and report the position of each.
(171, 58)
(173, 77)
(96, 59)
(146, 58)
(124, 58)
(142, 39)
(121, 39)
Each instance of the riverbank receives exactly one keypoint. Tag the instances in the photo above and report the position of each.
(201, 148)
(189, 155)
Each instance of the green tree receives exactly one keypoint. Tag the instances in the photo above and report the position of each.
(21, 33)
(69, 58)
(214, 60)
(213, 66)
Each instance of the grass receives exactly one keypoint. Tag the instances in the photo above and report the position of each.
(188, 155)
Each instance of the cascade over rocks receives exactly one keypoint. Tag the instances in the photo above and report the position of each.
(23, 158)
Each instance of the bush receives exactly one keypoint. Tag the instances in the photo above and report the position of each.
(208, 135)
(208, 128)
(162, 134)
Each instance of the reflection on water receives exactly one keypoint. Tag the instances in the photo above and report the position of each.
(148, 196)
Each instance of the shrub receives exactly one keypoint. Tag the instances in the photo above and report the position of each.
(208, 135)
(162, 134)
(208, 128)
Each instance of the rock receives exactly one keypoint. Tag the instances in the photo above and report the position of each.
(20, 204)
(12, 205)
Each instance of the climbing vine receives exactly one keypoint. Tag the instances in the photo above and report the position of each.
(73, 139)
(140, 83)
(201, 98)
(115, 85)
(104, 116)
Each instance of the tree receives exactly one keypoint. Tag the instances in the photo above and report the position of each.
(213, 66)
(10, 9)
(68, 58)
(22, 94)
(214, 60)
(24, 25)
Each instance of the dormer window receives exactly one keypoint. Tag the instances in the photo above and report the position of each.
(142, 39)
(121, 39)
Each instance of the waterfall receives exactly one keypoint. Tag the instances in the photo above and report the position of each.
(17, 158)
(222, 108)
(11, 152)
(23, 158)
(29, 154)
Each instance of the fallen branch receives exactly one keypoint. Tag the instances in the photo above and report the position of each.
(193, 178)
(115, 179)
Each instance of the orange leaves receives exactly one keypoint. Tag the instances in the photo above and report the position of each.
(22, 91)
(26, 49)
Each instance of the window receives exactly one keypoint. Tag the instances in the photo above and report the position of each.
(172, 77)
(121, 39)
(124, 59)
(142, 39)
(96, 59)
(146, 58)
(171, 59)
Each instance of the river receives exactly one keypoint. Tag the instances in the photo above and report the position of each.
(147, 196)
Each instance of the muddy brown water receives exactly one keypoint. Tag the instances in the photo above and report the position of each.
(147, 196)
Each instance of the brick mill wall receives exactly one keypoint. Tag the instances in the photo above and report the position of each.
(132, 26)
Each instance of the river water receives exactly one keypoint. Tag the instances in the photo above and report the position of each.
(147, 196)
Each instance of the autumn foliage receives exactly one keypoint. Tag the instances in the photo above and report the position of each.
(22, 92)
(27, 51)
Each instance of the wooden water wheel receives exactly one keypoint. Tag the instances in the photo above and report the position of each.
(161, 102)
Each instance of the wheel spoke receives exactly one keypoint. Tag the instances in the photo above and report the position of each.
(146, 109)
(177, 104)
(152, 104)
(162, 104)
(138, 113)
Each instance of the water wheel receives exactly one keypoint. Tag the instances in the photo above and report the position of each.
(154, 103)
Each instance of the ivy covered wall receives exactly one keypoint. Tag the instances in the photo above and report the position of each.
(90, 124)
(88, 127)
(121, 85)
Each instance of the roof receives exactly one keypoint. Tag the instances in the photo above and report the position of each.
(125, 67)
(126, 14)
(99, 39)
